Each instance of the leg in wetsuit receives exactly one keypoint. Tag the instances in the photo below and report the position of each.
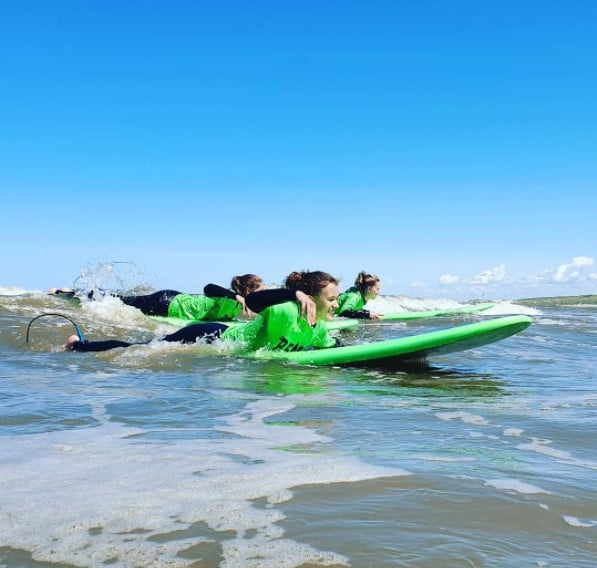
(155, 304)
(188, 334)
(191, 333)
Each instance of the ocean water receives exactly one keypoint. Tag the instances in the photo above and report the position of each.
(166, 455)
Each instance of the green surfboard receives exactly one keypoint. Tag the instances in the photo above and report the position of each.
(405, 316)
(394, 351)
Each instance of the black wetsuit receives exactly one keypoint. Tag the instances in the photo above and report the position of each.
(188, 334)
(155, 304)
(158, 303)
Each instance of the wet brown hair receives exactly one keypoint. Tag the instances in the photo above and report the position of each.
(311, 283)
(246, 283)
(365, 281)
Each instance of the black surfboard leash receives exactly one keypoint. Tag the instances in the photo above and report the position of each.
(77, 328)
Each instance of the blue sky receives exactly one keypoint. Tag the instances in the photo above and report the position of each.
(447, 146)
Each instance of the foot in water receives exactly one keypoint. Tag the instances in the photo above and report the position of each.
(61, 292)
(69, 345)
(72, 293)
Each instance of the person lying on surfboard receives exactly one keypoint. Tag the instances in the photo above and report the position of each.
(350, 303)
(290, 319)
(215, 304)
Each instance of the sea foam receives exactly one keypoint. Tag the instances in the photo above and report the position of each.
(514, 485)
(109, 495)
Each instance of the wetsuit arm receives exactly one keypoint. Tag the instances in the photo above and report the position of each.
(359, 314)
(258, 301)
(215, 291)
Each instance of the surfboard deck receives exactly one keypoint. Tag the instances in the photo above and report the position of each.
(415, 347)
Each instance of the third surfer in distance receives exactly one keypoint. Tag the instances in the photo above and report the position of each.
(350, 303)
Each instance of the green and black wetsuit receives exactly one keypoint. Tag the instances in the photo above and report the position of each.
(350, 305)
(215, 304)
(279, 326)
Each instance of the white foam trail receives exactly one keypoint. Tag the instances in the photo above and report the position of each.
(16, 291)
(543, 448)
(466, 417)
(514, 485)
(111, 309)
(98, 494)
(515, 432)
(505, 308)
(574, 522)
(391, 304)
(446, 459)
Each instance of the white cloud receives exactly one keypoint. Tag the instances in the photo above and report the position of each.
(495, 274)
(583, 261)
(449, 279)
(418, 285)
(573, 271)
(575, 277)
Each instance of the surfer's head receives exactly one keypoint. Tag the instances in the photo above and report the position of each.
(320, 286)
(246, 283)
(368, 285)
